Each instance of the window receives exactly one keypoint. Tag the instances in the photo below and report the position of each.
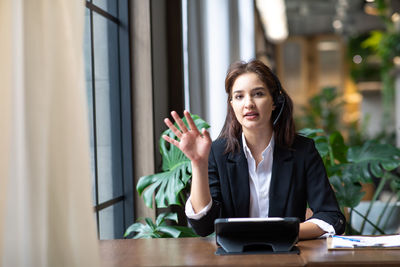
(106, 49)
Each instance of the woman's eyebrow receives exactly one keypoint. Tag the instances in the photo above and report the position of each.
(254, 89)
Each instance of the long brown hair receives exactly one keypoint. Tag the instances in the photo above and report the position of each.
(284, 129)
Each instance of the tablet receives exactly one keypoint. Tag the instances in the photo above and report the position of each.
(256, 235)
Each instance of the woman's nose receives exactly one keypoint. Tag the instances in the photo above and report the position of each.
(248, 102)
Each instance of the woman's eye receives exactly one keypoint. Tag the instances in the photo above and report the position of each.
(238, 97)
(259, 94)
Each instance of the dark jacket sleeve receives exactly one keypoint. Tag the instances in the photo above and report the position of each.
(320, 195)
(205, 225)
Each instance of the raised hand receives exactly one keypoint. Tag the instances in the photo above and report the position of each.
(195, 145)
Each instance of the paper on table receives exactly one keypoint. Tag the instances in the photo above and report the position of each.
(388, 241)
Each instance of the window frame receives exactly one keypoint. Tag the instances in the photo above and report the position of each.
(125, 115)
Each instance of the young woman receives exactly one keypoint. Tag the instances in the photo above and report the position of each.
(258, 166)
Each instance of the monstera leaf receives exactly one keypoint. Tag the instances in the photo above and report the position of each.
(348, 193)
(159, 229)
(321, 141)
(176, 174)
(311, 133)
(338, 147)
(331, 148)
(372, 159)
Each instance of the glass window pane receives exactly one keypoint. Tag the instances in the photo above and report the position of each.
(111, 222)
(107, 96)
(111, 6)
(89, 92)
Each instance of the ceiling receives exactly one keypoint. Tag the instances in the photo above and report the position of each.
(310, 17)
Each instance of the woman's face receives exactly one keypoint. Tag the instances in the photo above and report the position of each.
(252, 103)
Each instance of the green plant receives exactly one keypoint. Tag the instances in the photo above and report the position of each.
(159, 229)
(170, 187)
(349, 166)
(385, 46)
(323, 110)
(367, 68)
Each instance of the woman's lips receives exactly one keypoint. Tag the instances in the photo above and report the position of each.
(251, 115)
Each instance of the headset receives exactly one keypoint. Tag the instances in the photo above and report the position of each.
(278, 100)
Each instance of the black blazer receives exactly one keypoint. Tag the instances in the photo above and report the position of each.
(298, 177)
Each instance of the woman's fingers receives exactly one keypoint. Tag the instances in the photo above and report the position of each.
(190, 121)
(179, 121)
(171, 140)
(173, 128)
(206, 134)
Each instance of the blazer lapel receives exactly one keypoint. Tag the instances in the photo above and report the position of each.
(238, 174)
(281, 177)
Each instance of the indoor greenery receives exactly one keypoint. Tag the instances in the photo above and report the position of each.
(367, 68)
(323, 111)
(349, 166)
(383, 45)
(354, 162)
(169, 188)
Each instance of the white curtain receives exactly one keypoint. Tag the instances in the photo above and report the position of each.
(218, 33)
(46, 218)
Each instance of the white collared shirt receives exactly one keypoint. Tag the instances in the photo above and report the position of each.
(259, 182)
(260, 179)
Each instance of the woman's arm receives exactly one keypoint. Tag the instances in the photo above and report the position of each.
(200, 191)
(309, 230)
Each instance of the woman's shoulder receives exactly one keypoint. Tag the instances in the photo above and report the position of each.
(219, 144)
(219, 147)
(301, 142)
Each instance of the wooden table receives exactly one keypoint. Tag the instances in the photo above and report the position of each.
(200, 252)
(315, 253)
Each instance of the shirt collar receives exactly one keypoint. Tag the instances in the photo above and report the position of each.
(247, 151)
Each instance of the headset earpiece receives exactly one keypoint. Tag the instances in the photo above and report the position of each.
(279, 100)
